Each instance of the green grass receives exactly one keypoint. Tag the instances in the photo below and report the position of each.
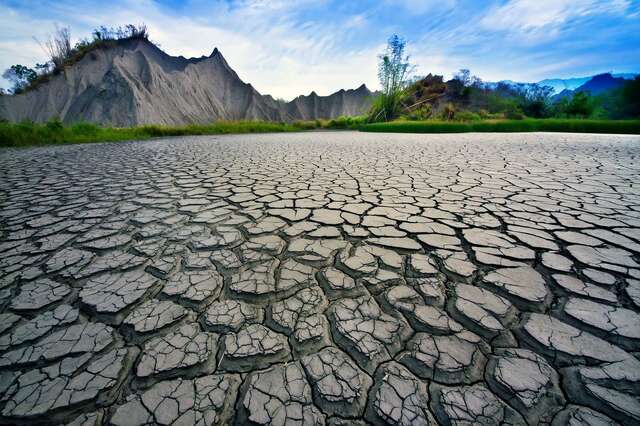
(30, 134)
(54, 132)
(527, 125)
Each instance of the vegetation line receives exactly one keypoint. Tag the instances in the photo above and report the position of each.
(55, 132)
(499, 126)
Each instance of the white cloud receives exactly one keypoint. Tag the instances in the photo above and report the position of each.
(356, 21)
(543, 19)
(420, 7)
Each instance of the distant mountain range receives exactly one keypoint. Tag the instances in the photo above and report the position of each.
(559, 84)
(134, 83)
(562, 88)
(595, 84)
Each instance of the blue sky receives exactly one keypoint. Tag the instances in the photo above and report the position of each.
(288, 47)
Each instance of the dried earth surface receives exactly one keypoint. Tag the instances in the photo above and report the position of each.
(330, 278)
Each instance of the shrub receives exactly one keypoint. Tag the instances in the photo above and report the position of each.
(448, 111)
(484, 114)
(305, 125)
(421, 113)
(126, 32)
(85, 128)
(386, 107)
(514, 114)
(346, 122)
(467, 116)
(54, 125)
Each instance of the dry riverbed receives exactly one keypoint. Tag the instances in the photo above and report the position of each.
(322, 278)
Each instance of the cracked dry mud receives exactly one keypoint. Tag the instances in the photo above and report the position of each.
(322, 279)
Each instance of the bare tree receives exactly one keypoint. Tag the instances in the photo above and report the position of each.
(467, 79)
(58, 46)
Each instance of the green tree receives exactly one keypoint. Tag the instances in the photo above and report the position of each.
(581, 105)
(20, 77)
(45, 68)
(534, 101)
(394, 71)
(631, 98)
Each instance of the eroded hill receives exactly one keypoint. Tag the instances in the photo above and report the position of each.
(134, 82)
